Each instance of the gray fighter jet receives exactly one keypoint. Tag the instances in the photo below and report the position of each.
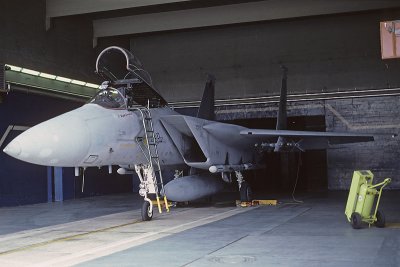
(128, 123)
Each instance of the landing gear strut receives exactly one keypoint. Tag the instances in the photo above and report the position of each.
(246, 194)
(147, 185)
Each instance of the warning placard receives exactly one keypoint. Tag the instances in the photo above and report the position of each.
(390, 39)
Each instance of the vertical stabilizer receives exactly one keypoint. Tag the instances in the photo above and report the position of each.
(281, 122)
(206, 109)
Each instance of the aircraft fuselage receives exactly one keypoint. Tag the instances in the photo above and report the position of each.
(92, 136)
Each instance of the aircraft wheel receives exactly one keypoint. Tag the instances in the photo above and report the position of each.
(380, 219)
(147, 215)
(356, 220)
(246, 195)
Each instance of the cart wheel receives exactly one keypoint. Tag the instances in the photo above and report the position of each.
(356, 220)
(246, 195)
(380, 219)
(146, 213)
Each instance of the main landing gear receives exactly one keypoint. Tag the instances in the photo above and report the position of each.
(246, 194)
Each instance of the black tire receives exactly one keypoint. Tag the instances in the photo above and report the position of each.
(380, 219)
(146, 214)
(356, 220)
(246, 195)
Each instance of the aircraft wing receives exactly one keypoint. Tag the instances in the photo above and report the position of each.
(305, 140)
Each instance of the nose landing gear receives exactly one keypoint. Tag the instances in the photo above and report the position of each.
(147, 210)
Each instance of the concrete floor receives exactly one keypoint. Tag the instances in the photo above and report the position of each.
(107, 231)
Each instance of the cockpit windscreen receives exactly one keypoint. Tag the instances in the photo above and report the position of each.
(109, 98)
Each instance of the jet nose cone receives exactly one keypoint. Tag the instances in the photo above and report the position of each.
(13, 149)
(62, 141)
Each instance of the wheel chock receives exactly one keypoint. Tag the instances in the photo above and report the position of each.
(257, 202)
(164, 203)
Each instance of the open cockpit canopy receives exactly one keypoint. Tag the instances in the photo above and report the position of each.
(124, 72)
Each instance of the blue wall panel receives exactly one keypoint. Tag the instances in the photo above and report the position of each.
(68, 183)
(58, 184)
(49, 184)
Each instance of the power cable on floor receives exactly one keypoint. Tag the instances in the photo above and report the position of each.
(299, 163)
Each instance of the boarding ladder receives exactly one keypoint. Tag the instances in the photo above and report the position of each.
(151, 176)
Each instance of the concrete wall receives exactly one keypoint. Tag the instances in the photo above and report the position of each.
(323, 53)
(368, 115)
(66, 49)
